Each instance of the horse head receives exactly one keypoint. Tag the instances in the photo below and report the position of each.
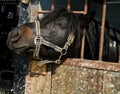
(57, 34)
(53, 30)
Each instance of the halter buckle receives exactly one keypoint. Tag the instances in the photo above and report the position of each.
(37, 40)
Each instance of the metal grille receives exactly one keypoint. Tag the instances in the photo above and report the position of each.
(68, 8)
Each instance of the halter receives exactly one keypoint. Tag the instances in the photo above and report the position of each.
(39, 41)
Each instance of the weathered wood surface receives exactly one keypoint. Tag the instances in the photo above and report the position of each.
(78, 80)
(40, 84)
(64, 79)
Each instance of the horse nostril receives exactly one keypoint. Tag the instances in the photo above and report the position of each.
(15, 36)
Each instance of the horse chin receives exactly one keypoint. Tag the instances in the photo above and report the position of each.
(20, 50)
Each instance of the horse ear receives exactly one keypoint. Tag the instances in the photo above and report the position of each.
(87, 18)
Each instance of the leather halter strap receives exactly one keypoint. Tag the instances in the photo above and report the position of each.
(39, 41)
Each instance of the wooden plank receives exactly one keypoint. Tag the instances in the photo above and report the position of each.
(88, 81)
(111, 82)
(76, 80)
(62, 80)
(66, 79)
(38, 84)
(79, 80)
(94, 64)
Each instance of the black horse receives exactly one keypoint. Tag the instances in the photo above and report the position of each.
(59, 35)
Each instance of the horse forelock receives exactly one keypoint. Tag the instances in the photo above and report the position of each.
(51, 17)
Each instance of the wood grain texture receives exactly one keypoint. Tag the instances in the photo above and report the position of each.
(65, 79)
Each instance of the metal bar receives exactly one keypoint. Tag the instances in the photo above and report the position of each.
(83, 44)
(68, 8)
(75, 12)
(53, 5)
(102, 30)
(78, 12)
(84, 31)
(69, 5)
(101, 65)
(86, 7)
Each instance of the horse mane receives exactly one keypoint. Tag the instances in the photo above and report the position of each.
(53, 16)
(72, 18)
(76, 22)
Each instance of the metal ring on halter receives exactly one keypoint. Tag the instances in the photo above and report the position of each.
(38, 40)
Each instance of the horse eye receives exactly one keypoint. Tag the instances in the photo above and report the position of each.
(53, 33)
(63, 26)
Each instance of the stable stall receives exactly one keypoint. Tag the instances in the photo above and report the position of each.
(73, 76)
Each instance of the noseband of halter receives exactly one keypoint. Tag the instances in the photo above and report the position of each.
(39, 41)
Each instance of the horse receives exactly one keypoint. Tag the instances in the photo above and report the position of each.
(58, 35)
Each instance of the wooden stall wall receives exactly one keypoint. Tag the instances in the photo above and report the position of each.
(66, 79)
